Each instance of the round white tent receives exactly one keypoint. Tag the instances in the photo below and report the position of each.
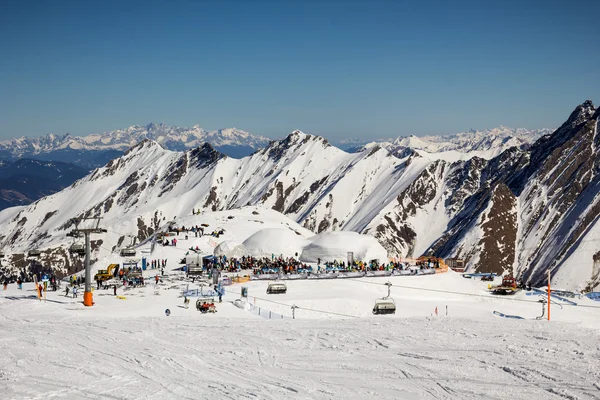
(331, 246)
(274, 241)
(230, 249)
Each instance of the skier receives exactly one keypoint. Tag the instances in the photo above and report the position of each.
(75, 292)
(66, 291)
(115, 289)
(186, 302)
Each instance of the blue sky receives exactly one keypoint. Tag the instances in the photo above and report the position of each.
(335, 68)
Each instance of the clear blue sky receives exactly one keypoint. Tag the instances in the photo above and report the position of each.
(335, 68)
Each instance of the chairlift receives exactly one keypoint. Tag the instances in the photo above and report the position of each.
(34, 253)
(77, 248)
(277, 288)
(128, 252)
(385, 305)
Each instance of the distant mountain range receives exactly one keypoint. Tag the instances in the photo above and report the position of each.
(24, 181)
(529, 209)
(487, 143)
(96, 150)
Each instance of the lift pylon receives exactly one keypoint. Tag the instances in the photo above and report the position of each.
(87, 226)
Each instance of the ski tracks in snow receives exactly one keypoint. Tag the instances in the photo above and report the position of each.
(165, 358)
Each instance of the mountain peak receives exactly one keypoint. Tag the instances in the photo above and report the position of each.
(580, 115)
(144, 144)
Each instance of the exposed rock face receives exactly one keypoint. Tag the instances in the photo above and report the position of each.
(499, 233)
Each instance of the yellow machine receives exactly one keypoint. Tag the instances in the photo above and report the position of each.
(106, 274)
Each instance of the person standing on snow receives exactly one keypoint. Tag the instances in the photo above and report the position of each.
(115, 289)
(75, 292)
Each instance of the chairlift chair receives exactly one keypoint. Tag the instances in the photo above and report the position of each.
(34, 253)
(77, 248)
(277, 288)
(385, 305)
(128, 252)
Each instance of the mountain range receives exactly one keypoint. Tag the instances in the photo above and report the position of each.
(528, 209)
(96, 150)
(487, 143)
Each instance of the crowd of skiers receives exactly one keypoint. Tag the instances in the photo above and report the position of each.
(292, 265)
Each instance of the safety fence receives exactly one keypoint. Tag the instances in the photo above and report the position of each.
(263, 312)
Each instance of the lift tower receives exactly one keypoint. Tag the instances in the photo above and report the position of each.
(87, 226)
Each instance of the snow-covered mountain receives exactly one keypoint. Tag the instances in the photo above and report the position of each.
(524, 210)
(170, 137)
(485, 144)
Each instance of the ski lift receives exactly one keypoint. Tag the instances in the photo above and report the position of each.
(128, 252)
(385, 305)
(34, 253)
(277, 288)
(77, 248)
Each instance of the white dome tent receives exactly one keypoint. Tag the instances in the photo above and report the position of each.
(230, 249)
(331, 246)
(275, 241)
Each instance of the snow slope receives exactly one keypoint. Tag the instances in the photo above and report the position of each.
(130, 349)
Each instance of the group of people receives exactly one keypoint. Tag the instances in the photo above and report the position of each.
(158, 263)
(291, 265)
(196, 230)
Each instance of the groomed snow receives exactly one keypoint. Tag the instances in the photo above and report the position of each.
(129, 349)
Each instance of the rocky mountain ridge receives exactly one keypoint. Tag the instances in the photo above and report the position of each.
(523, 211)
